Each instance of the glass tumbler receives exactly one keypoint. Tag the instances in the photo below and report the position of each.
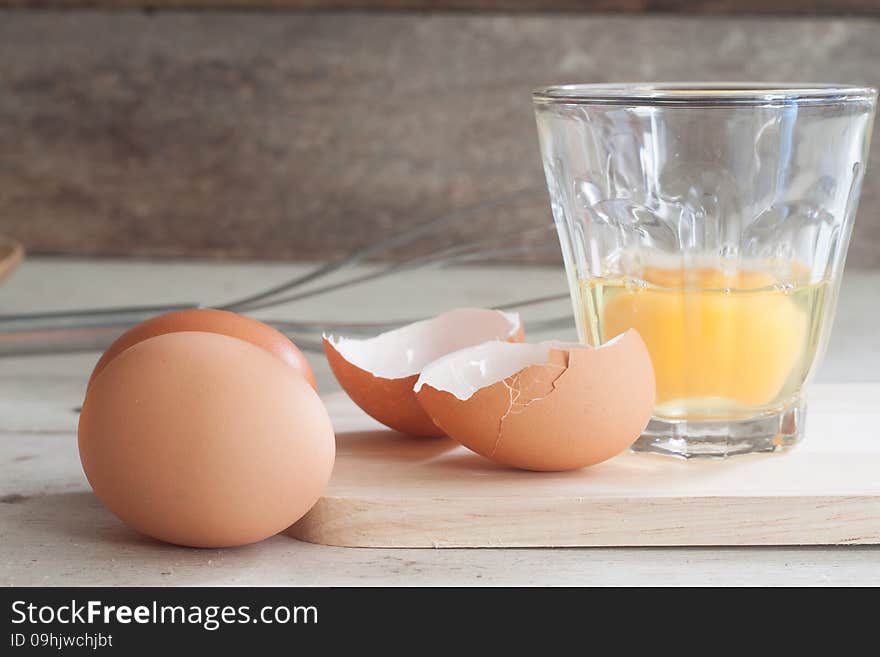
(714, 219)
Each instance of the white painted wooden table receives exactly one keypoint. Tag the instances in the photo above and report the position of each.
(53, 531)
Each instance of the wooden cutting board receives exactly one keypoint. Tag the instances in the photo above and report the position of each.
(389, 490)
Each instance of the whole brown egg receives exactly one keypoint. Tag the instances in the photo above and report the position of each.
(211, 320)
(204, 440)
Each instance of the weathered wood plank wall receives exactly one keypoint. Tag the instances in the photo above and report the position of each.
(786, 7)
(284, 134)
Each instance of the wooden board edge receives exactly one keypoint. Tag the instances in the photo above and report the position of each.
(594, 522)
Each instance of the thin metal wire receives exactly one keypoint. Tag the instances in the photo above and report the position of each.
(440, 259)
(382, 246)
(369, 328)
(89, 329)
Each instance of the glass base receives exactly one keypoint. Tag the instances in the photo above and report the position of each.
(721, 438)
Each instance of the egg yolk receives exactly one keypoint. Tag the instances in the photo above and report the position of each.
(712, 334)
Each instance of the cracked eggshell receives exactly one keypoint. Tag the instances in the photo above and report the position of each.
(546, 406)
(379, 373)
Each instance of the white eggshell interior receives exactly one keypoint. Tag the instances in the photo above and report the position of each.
(405, 351)
(463, 372)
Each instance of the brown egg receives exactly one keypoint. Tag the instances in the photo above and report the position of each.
(204, 440)
(378, 373)
(546, 406)
(212, 321)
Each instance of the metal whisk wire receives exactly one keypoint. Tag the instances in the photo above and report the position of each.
(92, 329)
(381, 246)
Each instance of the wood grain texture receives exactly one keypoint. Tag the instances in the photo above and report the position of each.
(868, 7)
(55, 532)
(285, 135)
(389, 490)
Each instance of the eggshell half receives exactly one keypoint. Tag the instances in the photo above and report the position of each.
(379, 373)
(576, 406)
(204, 440)
(210, 320)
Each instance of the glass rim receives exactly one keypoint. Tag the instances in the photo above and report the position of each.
(702, 94)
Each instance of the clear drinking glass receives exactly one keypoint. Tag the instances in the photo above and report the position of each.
(714, 219)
